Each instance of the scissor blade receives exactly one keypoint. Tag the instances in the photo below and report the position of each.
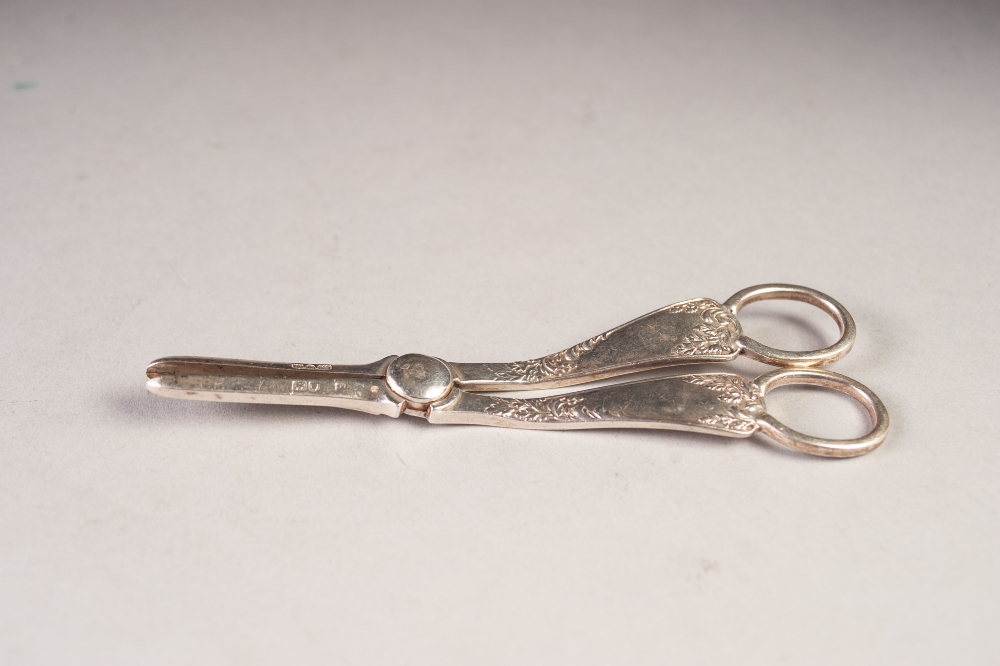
(359, 388)
(202, 365)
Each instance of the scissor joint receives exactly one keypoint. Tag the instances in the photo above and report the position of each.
(419, 380)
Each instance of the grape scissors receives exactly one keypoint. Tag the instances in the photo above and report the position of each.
(700, 330)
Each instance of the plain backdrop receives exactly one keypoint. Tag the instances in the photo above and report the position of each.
(335, 182)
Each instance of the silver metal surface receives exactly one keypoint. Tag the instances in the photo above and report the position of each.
(419, 380)
(830, 448)
(697, 331)
(716, 403)
(363, 395)
(694, 331)
(791, 292)
(719, 403)
(358, 387)
(200, 365)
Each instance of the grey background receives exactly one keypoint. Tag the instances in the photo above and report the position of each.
(332, 182)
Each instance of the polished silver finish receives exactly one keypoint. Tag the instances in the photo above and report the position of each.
(363, 395)
(772, 356)
(830, 448)
(694, 331)
(200, 365)
(697, 331)
(358, 387)
(716, 403)
(419, 380)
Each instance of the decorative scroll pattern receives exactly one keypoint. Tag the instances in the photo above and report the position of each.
(553, 365)
(558, 408)
(716, 337)
(743, 398)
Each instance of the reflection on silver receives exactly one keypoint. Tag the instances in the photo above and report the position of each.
(695, 331)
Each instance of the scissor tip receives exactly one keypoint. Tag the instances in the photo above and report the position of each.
(156, 368)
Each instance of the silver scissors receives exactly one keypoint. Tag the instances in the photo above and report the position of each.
(695, 331)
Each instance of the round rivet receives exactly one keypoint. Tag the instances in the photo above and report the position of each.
(419, 379)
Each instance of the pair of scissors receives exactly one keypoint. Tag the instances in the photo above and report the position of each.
(700, 330)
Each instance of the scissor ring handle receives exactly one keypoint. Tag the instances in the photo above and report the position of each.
(818, 446)
(806, 359)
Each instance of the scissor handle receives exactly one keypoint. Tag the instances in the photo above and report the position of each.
(818, 446)
(694, 331)
(770, 355)
(717, 403)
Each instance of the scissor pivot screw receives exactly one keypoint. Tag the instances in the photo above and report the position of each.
(419, 380)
